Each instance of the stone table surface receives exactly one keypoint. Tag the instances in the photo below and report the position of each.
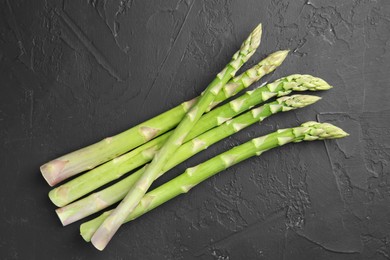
(74, 72)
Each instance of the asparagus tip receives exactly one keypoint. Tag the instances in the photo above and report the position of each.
(279, 56)
(255, 37)
(299, 82)
(324, 130)
(298, 101)
(319, 84)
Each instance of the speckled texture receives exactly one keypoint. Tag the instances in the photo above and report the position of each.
(74, 72)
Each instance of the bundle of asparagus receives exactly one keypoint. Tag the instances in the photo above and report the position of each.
(174, 136)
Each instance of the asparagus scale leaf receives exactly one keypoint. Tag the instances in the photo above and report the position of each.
(108, 228)
(115, 168)
(110, 195)
(308, 131)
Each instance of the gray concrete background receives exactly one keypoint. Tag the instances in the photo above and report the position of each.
(74, 72)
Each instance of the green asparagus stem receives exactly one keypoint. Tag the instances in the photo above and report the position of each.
(105, 232)
(93, 155)
(115, 168)
(110, 195)
(249, 77)
(308, 131)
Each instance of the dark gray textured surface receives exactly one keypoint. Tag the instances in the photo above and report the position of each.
(74, 72)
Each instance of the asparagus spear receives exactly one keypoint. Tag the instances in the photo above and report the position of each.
(104, 198)
(115, 168)
(308, 131)
(105, 232)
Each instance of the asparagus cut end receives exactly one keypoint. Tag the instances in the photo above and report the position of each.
(51, 171)
(86, 230)
(62, 217)
(101, 238)
(59, 196)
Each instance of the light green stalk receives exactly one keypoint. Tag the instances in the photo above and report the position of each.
(115, 168)
(252, 75)
(193, 176)
(110, 195)
(109, 227)
(87, 158)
